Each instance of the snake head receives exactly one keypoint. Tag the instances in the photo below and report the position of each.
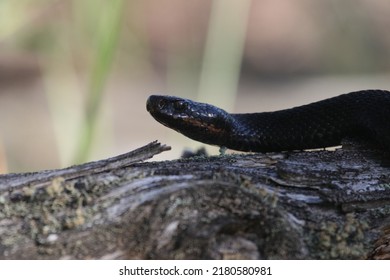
(198, 121)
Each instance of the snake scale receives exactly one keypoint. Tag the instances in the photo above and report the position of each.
(357, 115)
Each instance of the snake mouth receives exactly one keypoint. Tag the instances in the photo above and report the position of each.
(208, 127)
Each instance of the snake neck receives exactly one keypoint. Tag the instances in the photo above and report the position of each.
(317, 125)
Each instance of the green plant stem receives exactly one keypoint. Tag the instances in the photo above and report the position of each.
(106, 45)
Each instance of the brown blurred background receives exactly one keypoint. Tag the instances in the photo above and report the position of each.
(75, 75)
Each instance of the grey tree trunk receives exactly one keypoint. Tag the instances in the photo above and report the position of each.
(295, 205)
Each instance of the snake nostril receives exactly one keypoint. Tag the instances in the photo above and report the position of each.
(161, 104)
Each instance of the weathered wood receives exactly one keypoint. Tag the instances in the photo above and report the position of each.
(295, 205)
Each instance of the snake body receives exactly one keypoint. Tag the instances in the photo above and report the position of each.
(356, 115)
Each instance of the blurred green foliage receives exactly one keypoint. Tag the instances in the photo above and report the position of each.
(109, 26)
(197, 49)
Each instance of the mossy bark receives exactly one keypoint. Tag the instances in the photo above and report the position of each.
(293, 205)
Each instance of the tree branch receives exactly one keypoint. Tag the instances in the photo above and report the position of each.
(295, 205)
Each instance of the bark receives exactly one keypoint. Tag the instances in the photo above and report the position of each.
(292, 205)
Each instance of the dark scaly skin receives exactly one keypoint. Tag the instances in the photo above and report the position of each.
(357, 115)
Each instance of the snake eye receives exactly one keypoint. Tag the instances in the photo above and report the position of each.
(180, 105)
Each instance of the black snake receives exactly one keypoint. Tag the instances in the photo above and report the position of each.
(356, 115)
